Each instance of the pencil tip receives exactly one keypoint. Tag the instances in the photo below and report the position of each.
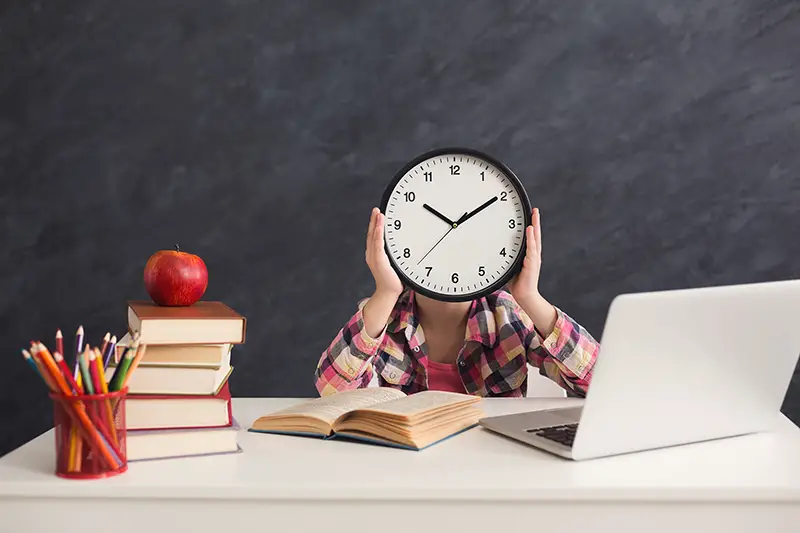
(114, 339)
(80, 330)
(26, 354)
(59, 335)
(107, 336)
(58, 357)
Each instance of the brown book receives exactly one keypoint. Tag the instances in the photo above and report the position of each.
(201, 323)
(379, 415)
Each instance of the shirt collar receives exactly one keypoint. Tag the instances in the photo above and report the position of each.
(481, 324)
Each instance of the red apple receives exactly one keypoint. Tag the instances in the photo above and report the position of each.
(174, 278)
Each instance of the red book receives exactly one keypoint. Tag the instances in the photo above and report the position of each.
(151, 411)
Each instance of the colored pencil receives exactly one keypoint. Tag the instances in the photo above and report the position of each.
(135, 363)
(78, 350)
(75, 450)
(62, 365)
(106, 339)
(98, 389)
(101, 372)
(92, 367)
(104, 388)
(119, 373)
(29, 359)
(84, 369)
(112, 346)
(74, 459)
(42, 370)
(60, 342)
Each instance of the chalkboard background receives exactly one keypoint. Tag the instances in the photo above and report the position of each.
(659, 138)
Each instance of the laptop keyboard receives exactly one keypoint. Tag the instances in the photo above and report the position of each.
(564, 434)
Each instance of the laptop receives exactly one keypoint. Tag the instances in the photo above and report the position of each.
(676, 367)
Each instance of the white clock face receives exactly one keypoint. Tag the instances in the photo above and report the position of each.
(455, 225)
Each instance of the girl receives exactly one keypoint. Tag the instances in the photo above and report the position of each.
(480, 347)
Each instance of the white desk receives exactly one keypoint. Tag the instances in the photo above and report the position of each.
(476, 481)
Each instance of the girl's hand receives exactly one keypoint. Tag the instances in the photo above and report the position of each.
(525, 286)
(386, 280)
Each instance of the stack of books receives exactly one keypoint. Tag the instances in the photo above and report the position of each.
(179, 401)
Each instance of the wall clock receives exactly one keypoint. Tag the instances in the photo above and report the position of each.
(455, 222)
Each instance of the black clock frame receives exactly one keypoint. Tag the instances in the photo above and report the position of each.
(515, 266)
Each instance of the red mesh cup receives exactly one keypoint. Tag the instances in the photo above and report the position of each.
(90, 435)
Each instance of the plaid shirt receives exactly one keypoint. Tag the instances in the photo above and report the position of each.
(500, 340)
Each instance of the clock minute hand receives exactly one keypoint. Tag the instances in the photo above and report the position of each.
(483, 206)
(438, 214)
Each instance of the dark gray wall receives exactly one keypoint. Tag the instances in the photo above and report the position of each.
(659, 138)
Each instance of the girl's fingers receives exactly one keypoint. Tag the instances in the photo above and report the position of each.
(371, 227)
(379, 232)
(371, 236)
(530, 237)
(537, 230)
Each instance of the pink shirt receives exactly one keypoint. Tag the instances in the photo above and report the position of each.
(499, 343)
(442, 376)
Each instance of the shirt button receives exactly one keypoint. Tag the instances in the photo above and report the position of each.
(416, 348)
(462, 363)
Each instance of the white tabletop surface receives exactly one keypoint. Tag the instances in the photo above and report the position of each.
(474, 465)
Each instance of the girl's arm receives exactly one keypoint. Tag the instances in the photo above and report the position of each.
(558, 346)
(347, 363)
(566, 354)
(562, 350)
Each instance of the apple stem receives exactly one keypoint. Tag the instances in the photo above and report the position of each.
(177, 248)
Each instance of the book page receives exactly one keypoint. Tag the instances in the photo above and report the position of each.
(423, 402)
(329, 408)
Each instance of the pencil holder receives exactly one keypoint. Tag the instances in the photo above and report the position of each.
(90, 435)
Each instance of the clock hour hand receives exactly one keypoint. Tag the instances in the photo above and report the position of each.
(483, 206)
(438, 214)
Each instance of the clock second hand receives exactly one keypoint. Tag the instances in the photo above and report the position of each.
(440, 240)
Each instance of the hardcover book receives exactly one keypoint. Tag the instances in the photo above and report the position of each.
(159, 411)
(172, 443)
(204, 322)
(380, 415)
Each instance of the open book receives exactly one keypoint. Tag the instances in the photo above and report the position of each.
(378, 415)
